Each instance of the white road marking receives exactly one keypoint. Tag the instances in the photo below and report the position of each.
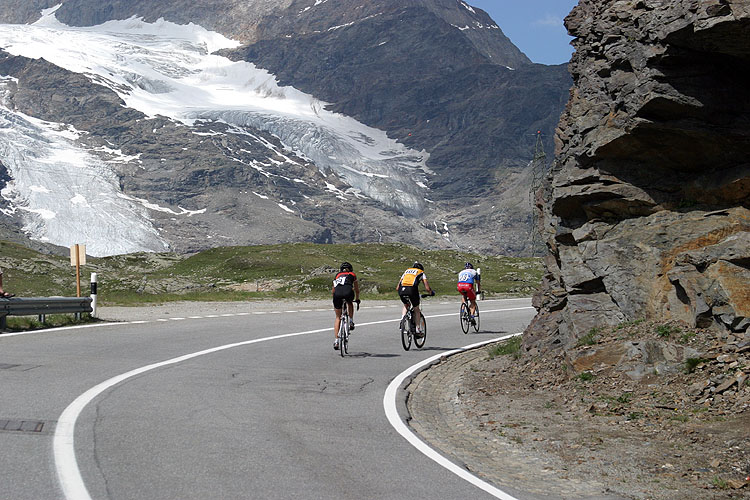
(391, 411)
(63, 443)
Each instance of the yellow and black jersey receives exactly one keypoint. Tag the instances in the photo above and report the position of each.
(411, 277)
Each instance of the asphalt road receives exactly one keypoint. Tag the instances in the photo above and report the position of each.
(249, 404)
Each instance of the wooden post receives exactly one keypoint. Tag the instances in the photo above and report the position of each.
(78, 259)
(78, 272)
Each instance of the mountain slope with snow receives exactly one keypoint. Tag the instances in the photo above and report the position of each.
(195, 145)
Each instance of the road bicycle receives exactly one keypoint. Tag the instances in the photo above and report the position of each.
(408, 327)
(344, 329)
(465, 316)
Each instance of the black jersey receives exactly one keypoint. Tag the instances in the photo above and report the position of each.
(344, 279)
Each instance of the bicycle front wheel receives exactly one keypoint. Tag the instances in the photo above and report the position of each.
(476, 319)
(405, 332)
(419, 341)
(463, 316)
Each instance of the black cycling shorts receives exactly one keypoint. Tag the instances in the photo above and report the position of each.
(341, 294)
(409, 294)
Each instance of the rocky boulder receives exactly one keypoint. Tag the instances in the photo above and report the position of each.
(647, 208)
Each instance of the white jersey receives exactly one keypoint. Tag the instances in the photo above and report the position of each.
(468, 276)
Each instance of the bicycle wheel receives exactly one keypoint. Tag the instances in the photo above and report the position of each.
(476, 319)
(463, 316)
(344, 335)
(419, 341)
(405, 331)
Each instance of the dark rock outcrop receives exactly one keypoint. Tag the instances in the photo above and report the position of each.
(647, 208)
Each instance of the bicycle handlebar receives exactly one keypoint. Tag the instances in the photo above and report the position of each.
(357, 301)
(427, 294)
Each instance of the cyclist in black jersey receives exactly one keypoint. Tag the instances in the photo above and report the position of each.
(345, 289)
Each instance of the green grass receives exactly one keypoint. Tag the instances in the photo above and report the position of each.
(666, 331)
(511, 347)
(298, 270)
(626, 324)
(686, 337)
(25, 323)
(586, 376)
(589, 339)
(719, 483)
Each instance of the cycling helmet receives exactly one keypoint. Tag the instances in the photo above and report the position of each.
(469, 266)
(418, 266)
(345, 266)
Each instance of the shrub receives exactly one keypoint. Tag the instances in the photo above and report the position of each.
(666, 331)
(589, 339)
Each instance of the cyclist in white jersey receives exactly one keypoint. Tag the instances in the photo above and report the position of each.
(467, 280)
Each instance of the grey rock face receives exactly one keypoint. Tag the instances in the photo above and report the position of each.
(647, 208)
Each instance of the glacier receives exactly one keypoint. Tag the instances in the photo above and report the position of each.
(171, 70)
(68, 195)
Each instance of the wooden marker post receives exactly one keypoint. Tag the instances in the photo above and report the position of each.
(78, 259)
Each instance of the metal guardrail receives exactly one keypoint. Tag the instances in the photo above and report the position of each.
(41, 306)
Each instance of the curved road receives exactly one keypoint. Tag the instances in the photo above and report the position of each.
(252, 404)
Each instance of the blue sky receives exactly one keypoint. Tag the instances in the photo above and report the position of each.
(534, 26)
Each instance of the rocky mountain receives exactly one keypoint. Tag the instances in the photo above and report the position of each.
(647, 207)
(228, 122)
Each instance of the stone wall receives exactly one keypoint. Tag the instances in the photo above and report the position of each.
(646, 210)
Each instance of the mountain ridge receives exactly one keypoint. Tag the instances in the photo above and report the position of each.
(476, 123)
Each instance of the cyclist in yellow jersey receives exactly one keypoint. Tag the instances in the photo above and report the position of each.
(408, 291)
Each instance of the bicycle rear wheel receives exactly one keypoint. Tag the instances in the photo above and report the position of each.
(344, 334)
(463, 316)
(476, 319)
(405, 331)
(419, 341)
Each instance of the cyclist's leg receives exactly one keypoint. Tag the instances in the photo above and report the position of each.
(350, 308)
(338, 302)
(472, 300)
(404, 300)
(337, 323)
(415, 305)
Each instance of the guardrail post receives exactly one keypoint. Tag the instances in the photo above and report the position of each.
(93, 295)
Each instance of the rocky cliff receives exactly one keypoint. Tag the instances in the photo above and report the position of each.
(647, 208)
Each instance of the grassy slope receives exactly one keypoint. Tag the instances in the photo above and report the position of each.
(245, 273)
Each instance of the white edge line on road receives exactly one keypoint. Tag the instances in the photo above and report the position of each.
(63, 442)
(391, 412)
